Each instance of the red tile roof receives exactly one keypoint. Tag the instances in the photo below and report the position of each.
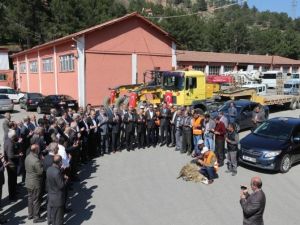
(194, 56)
(99, 26)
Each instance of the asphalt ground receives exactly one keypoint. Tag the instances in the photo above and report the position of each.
(140, 187)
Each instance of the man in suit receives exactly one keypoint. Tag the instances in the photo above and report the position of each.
(103, 131)
(2, 180)
(141, 129)
(93, 134)
(130, 120)
(253, 205)
(84, 134)
(165, 117)
(6, 125)
(12, 155)
(56, 184)
(115, 131)
(151, 126)
(173, 127)
(33, 183)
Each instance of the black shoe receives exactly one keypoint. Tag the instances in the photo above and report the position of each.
(68, 210)
(39, 220)
(3, 221)
(233, 173)
(30, 217)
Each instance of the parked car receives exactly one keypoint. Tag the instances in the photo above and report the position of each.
(11, 93)
(59, 102)
(274, 145)
(244, 112)
(6, 104)
(30, 101)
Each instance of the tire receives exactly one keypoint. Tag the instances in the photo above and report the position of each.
(39, 110)
(293, 105)
(285, 164)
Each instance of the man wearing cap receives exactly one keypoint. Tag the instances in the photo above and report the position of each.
(200, 146)
(208, 164)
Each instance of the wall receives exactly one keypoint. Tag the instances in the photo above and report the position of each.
(109, 56)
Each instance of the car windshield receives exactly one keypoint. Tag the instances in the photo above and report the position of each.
(173, 81)
(224, 108)
(63, 98)
(35, 95)
(3, 97)
(277, 129)
(288, 85)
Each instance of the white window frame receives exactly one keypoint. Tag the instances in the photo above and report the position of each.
(33, 66)
(47, 65)
(228, 68)
(66, 63)
(265, 68)
(214, 70)
(199, 68)
(23, 67)
(295, 69)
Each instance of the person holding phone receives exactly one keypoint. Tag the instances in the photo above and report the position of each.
(253, 205)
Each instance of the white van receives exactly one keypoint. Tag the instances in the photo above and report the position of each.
(261, 89)
(291, 87)
(269, 78)
(11, 93)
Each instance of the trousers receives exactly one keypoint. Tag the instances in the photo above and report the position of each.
(220, 150)
(12, 180)
(187, 140)
(232, 161)
(34, 202)
(55, 215)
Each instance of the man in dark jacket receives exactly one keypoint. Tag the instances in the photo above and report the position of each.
(165, 118)
(141, 129)
(33, 183)
(56, 184)
(12, 155)
(253, 205)
(130, 120)
(115, 130)
(151, 126)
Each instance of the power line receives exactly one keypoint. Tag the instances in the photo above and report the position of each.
(196, 13)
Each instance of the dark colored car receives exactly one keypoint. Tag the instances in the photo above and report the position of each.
(274, 145)
(58, 102)
(244, 112)
(30, 101)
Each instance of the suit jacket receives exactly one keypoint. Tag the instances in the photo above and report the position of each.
(253, 208)
(104, 124)
(150, 121)
(130, 120)
(165, 115)
(55, 186)
(84, 134)
(11, 152)
(34, 171)
(47, 162)
(141, 123)
(5, 127)
(2, 179)
(116, 123)
(89, 121)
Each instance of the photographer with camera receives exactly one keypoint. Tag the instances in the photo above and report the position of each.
(253, 204)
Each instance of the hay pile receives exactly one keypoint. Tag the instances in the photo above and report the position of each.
(190, 172)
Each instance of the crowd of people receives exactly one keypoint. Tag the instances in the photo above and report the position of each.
(47, 152)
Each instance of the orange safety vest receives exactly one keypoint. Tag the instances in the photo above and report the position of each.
(197, 123)
(211, 159)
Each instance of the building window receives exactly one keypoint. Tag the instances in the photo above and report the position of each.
(265, 68)
(66, 63)
(3, 77)
(228, 68)
(33, 66)
(199, 68)
(285, 69)
(295, 70)
(48, 65)
(15, 67)
(214, 70)
(23, 67)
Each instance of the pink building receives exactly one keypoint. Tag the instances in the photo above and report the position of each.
(85, 64)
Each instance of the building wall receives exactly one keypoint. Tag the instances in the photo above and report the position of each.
(47, 78)
(109, 55)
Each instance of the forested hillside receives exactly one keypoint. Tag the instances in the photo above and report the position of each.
(193, 23)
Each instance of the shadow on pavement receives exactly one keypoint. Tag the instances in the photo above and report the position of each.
(79, 197)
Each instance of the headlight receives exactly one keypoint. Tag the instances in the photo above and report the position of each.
(272, 154)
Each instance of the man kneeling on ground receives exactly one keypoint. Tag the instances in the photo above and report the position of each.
(208, 164)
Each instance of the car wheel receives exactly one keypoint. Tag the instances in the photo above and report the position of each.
(39, 110)
(293, 105)
(285, 163)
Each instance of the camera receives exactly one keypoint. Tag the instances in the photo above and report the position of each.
(243, 188)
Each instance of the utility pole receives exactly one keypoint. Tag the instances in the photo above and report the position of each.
(294, 9)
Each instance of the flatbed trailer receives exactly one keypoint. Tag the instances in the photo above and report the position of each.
(291, 101)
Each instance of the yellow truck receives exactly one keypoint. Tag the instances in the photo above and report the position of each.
(187, 88)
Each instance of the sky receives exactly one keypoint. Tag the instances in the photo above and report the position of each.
(275, 6)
